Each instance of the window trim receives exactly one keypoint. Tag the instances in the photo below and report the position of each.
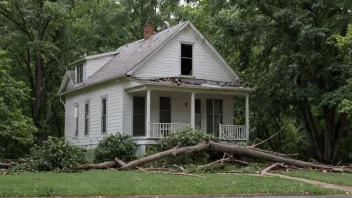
(76, 118)
(180, 59)
(82, 73)
(86, 126)
(106, 115)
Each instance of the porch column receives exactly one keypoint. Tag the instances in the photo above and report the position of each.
(193, 113)
(247, 117)
(148, 114)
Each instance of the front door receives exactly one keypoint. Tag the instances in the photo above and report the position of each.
(165, 115)
(138, 116)
(214, 116)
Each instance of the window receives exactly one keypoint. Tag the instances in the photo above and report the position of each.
(103, 115)
(198, 119)
(214, 116)
(186, 59)
(86, 118)
(79, 76)
(165, 110)
(138, 116)
(76, 119)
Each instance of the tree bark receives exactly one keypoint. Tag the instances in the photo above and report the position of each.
(200, 147)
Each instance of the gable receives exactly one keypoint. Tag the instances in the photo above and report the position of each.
(93, 65)
(166, 62)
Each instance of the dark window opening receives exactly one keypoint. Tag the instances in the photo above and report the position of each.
(103, 116)
(165, 110)
(198, 119)
(186, 59)
(79, 74)
(138, 116)
(76, 119)
(86, 119)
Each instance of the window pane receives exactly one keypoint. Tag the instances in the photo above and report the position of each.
(186, 66)
(86, 120)
(197, 106)
(104, 124)
(104, 106)
(165, 103)
(210, 124)
(217, 119)
(138, 125)
(209, 106)
(138, 105)
(165, 116)
(217, 106)
(186, 50)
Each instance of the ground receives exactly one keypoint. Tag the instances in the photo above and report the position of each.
(142, 183)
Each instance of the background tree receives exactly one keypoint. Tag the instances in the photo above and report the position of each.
(286, 50)
(16, 129)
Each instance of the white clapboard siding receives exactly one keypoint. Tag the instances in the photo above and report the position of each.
(228, 110)
(166, 62)
(114, 112)
(93, 65)
(127, 113)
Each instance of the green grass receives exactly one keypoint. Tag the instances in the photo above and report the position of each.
(142, 183)
(332, 178)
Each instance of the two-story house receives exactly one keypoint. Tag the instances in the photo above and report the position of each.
(165, 82)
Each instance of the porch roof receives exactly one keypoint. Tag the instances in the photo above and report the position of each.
(186, 84)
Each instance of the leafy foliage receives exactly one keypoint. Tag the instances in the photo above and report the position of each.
(187, 137)
(16, 129)
(118, 145)
(54, 154)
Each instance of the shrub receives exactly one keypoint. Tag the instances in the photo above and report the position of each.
(112, 146)
(54, 154)
(187, 137)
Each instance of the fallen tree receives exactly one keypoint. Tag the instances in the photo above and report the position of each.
(239, 151)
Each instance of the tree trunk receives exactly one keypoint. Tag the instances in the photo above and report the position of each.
(200, 147)
(211, 146)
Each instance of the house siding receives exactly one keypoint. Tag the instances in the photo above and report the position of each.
(95, 64)
(94, 95)
(166, 62)
(127, 113)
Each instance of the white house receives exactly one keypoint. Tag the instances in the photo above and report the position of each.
(165, 82)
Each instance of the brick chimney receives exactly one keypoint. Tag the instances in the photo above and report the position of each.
(148, 31)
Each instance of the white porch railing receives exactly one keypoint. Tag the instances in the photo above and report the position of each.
(161, 130)
(233, 132)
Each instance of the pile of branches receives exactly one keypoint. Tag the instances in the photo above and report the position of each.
(280, 160)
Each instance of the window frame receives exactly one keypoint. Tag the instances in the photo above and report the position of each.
(86, 119)
(192, 70)
(105, 97)
(79, 74)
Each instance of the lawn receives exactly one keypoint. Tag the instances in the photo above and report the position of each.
(142, 183)
(332, 178)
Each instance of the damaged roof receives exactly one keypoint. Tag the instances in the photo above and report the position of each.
(191, 83)
(129, 56)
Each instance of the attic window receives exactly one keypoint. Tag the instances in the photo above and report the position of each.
(186, 59)
(79, 71)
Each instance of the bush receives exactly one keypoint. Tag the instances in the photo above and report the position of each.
(54, 154)
(118, 145)
(187, 137)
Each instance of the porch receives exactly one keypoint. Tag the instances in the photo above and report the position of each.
(159, 110)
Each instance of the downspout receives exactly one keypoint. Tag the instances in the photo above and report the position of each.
(62, 101)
